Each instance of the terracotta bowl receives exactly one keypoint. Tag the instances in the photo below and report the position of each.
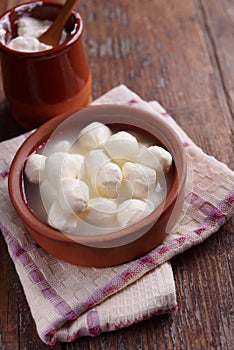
(41, 85)
(115, 247)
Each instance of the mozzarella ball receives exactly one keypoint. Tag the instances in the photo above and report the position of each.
(59, 146)
(73, 196)
(93, 135)
(48, 194)
(146, 157)
(101, 212)
(35, 168)
(60, 165)
(163, 156)
(141, 179)
(133, 210)
(95, 160)
(60, 220)
(122, 145)
(108, 180)
(78, 161)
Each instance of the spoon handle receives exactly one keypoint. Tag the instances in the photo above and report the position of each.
(53, 34)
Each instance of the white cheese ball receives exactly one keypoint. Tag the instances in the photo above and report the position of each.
(133, 210)
(58, 146)
(122, 145)
(60, 220)
(93, 135)
(48, 194)
(95, 160)
(35, 168)
(78, 160)
(108, 180)
(141, 179)
(60, 165)
(146, 157)
(73, 196)
(101, 212)
(163, 156)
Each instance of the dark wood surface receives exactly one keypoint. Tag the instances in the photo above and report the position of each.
(180, 52)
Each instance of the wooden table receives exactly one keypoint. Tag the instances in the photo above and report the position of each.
(180, 52)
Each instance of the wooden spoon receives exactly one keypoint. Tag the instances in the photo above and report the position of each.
(53, 33)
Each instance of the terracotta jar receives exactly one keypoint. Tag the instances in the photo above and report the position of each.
(41, 85)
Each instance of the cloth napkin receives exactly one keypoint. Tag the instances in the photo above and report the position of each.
(68, 301)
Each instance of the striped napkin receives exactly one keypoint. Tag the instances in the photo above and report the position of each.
(68, 301)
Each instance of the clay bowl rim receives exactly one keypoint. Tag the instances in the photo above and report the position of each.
(54, 50)
(38, 137)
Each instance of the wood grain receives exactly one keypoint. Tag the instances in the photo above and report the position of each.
(181, 53)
